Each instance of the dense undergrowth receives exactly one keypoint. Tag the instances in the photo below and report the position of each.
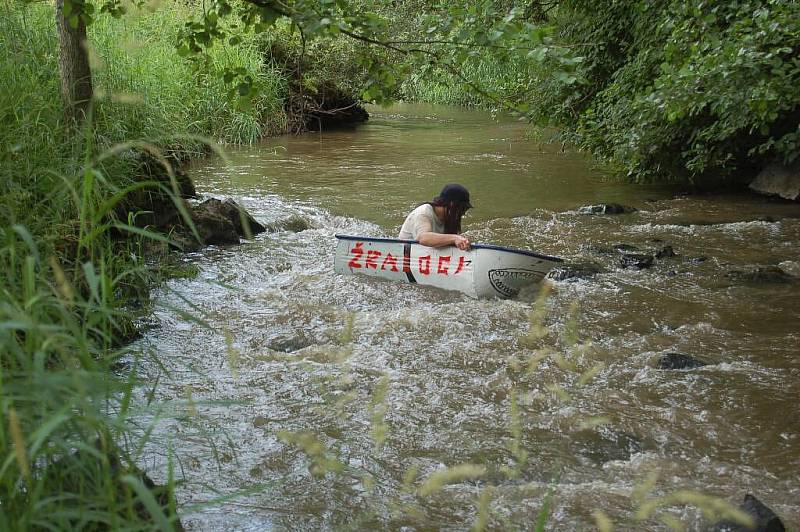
(69, 282)
(687, 89)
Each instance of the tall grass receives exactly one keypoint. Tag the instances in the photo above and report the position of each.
(148, 91)
(144, 90)
(495, 78)
(67, 279)
(64, 398)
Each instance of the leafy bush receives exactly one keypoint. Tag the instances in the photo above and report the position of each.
(683, 89)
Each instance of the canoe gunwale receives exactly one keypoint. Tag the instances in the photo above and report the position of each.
(474, 246)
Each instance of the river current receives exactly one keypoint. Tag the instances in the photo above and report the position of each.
(289, 397)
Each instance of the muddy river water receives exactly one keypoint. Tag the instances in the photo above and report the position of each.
(292, 398)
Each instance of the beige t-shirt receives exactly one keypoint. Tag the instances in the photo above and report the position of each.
(420, 220)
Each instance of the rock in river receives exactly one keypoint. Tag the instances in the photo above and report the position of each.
(625, 248)
(678, 361)
(760, 275)
(218, 223)
(780, 180)
(605, 444)
(664, 252)
(214, 228)
(244, 224)
(574, 271)
(606, 208)
(294, 223)
(764, 518)
(635, 260)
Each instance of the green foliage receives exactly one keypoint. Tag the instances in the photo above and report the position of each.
(147, 91)
(67, 277)
(413, 36)
(670, 90)
(482, 53)
(313, 65)
(64, 400)
(682, 89)
(143, 91)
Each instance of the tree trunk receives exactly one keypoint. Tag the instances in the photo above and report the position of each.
(73, 66)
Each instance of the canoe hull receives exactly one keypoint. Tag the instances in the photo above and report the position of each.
(482, 272)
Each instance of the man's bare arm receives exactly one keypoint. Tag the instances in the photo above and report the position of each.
(438, 240)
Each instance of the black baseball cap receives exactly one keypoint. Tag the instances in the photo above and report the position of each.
(453, 192)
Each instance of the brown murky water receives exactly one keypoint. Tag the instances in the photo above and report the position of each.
(450, 380)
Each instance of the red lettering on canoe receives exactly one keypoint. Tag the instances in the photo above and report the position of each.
(372, 257)
(461, 263)
(356, 251)
(389, 262)
(444, 265)
(425, 265)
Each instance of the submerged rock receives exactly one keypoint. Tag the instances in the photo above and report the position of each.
(625, 248)
(596, 249)
(764, 518)
(606, 208)
(636, 260)
(664, 252)
(761, 275)
(574, 271)
(290, 343)
(605, 444)
(678, 361)
(295, 224)
(779, 180)
(630, 256)
(790, 267)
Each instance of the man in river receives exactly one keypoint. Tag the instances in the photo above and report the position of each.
(438, 222)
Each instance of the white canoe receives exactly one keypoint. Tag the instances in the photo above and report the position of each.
(485, 271)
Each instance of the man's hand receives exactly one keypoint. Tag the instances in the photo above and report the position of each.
(461, 242)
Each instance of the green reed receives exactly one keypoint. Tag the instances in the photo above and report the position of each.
(492, 75)
(64, 394)
(67, 447)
